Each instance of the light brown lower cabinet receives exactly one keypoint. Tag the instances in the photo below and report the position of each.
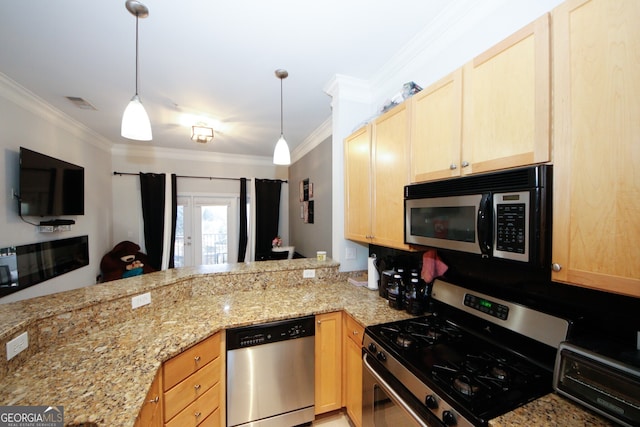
(151, 413)
(352, 372)
(188, 389)
(328, 362)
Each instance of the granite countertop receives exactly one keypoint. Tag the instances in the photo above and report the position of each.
(551, 410)
(102, 376)
(94, 355)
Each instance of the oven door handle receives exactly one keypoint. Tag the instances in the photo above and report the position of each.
(393, 393)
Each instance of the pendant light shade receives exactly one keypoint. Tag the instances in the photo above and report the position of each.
(281, 155)
(135, 120)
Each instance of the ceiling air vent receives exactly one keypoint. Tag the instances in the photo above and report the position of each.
(80, 103)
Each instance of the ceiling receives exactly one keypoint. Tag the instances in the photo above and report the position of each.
(204, 61)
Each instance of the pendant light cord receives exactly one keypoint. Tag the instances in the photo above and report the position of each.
(136, 54)
(281, 111)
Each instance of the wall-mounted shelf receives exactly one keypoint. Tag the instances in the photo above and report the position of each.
(55, 225)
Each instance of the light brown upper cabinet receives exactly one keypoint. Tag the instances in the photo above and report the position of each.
(376, 171)
(492, 114)
(357, 178)
(436, 130)
(596, 136)
(506, 99)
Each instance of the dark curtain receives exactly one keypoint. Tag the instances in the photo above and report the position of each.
(267, 215)
(152, 189)
(242, 240)
(174, 215)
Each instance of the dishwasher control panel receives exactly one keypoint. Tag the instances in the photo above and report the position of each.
(248, 336)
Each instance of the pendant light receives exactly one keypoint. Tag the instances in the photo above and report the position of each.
(281, 155)
(135, 120)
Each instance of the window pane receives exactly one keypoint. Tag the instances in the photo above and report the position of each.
(214, 235)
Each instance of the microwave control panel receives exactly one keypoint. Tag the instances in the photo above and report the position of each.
(511, 219)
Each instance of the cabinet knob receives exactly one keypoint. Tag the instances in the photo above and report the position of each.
(155, 399)
(197, 414)
(319, 322)
(465, 164)
(197, 387)
(556, 267)
(453, 166)
(197, 359)
(355, 332)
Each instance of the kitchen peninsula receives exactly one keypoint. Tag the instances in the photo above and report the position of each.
(91, 353)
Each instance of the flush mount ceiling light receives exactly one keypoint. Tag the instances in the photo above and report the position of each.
(201, 134)
(135, 120)
(281, 155)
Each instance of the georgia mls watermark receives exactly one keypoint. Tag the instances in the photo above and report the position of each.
(31, 416)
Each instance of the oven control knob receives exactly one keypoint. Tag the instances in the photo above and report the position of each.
(431, 401)
(381, 356)
(448, 418)
(372, 348)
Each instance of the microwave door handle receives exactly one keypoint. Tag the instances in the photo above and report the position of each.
(484, 225)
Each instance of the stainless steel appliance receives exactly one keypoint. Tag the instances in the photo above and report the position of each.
(500, 215)
(270, 374)
(477, 357)
(602, 376)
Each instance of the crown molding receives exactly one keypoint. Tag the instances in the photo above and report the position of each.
(17, 94)
(320, 134)
(348, 88)
(190, 155)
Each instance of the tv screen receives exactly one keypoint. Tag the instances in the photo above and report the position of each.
(49, 187)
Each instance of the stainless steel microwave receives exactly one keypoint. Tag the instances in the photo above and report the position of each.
(505, 215)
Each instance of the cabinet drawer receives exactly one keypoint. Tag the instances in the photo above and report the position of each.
(354, 330)
(199, 410)
(212, 420)
(190, 360)
(188, 390)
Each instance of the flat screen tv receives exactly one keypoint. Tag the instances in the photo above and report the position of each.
(49, 186)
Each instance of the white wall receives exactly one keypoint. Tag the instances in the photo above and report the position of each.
(27, 121)
(461, 33)
(127, 211)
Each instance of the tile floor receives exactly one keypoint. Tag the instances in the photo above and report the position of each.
(337, 419)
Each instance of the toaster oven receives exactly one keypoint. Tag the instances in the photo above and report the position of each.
(602, 378)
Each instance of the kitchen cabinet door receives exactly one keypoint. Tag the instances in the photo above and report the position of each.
(328, 362)
(352, 375)
(596, 226)
(357, 173)
(390, 166)
(376, 171)
(506, 95)
(151, 413)
(436, 130)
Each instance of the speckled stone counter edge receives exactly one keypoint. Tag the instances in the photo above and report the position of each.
(79, 312)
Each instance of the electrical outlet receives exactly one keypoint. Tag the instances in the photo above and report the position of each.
(308, 274)
(16, 345)
(140, 300)
(350, 253)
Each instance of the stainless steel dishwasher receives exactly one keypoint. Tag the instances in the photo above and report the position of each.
(270, 374)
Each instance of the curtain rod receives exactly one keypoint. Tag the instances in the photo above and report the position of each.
(197, 177)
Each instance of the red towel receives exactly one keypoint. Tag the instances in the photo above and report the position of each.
(432, 266)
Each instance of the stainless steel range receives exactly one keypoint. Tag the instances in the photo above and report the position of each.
(476, 358)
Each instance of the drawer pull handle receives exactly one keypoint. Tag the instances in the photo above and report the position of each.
(197, 387)
(197, 414)
(197, 359)
(155, 399)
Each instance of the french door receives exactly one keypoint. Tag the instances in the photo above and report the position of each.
(206, 230)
